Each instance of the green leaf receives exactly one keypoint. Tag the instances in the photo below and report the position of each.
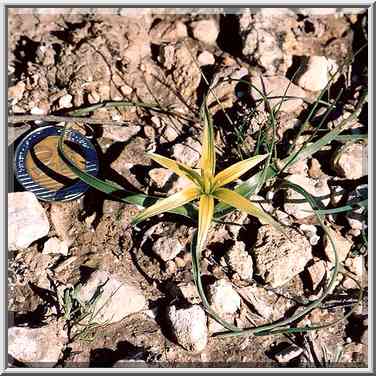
(116, 191)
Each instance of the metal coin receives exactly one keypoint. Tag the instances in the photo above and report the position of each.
(39, 168)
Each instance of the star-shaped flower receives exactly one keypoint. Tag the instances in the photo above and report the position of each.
(206, 186)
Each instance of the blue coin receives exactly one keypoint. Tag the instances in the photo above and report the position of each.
(39, 168)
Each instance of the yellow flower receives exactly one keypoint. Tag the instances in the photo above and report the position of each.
(206, 186)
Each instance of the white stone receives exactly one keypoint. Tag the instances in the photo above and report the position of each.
(317, 73)
(223, 298)
(61, 219)
(126, 90)
(167, 248)
(311, 232)
(206, 58)
(43, 344)
(181, 183)
(318, 188)
(189, 326)
(65, 101)
(117, 300)
(27, 220)
(55, 246)
(168, 32)
(187, 153)
(351, 161)
(38, 111)
(205, 31)
(240, 261)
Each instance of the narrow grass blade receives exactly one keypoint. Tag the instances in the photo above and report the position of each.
(174, 201)
(239, 202)
(208, 151)
(177, 167)
(346, 208)
(308, 150)
(249, 187)
(233, 172)
(351, 137)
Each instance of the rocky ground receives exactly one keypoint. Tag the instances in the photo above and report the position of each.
(140, 306)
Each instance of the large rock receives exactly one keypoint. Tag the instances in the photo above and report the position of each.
(262, 38)
(39, 345)
(189, 327)
(117, 299)
(27, 220)
(278, 86)
(278, 260)
(268, 305)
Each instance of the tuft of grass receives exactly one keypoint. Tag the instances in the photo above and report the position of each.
(80, 316)
(207, 186)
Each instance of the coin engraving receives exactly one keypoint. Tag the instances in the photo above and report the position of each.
(45, 166)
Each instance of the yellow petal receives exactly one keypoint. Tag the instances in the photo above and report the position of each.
(177, 167)
(239, 202)
(208, 152)
(205, 216)
(233, 172)
(172, 202)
